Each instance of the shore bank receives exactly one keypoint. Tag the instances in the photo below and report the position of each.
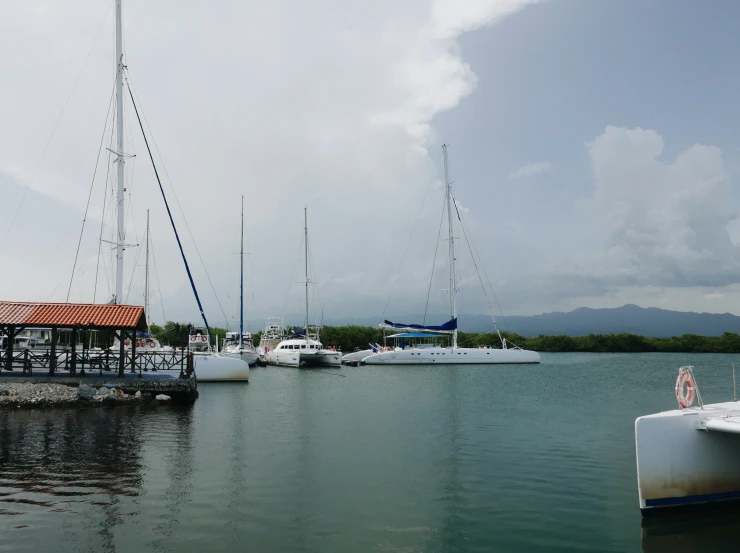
(45, 393)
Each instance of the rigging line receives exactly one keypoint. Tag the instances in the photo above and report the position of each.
(174, 193)
(156, 272)
(89, 194)
(493, 293)
(465, 234)
(434, 262)
(400, 266)
(133, 273)
(172, 221)
(54, 130)
(102, 226)
(293, 275)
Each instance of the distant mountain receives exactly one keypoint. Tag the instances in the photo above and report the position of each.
(645, 321)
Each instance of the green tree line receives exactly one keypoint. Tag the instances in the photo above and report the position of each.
(351, 337)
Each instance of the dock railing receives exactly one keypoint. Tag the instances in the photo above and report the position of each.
(38, 361)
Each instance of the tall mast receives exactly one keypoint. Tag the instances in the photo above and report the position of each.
(241, 285)
(305, 240)
(120, 246)
(451, 253)
(146, 278)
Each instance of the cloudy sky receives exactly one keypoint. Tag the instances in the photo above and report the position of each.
(593, 145)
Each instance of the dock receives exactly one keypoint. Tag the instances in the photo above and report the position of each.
(75, 364)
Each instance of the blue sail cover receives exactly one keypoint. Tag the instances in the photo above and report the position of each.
(299, 331)
(447, 327)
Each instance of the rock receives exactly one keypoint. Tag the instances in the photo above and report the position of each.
(85, 391)
(137, 394)
(162, 397)
(119, 393)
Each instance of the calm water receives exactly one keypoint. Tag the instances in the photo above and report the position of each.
(384, 459)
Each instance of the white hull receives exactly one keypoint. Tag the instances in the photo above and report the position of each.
(688, 457)
(298, 358)
(452, 356)
(220, 368)
(249, 357)
(357, 355)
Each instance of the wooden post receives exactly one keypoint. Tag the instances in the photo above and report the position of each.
(73, 366)
(107, 361)
(83, 339)
(133, 352)
(26, 364)
(9, 349)
(121, 354)
(53, 352)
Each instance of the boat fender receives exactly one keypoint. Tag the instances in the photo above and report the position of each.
(685, 378)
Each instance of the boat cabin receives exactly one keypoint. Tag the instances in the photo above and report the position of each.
(419, 340)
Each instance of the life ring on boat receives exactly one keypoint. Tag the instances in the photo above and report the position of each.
(685, 378)
(193, 338)
(127, 343)
(152, 345)
(204, 338)
(267, 348)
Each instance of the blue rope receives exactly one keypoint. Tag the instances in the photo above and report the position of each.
(167, 205)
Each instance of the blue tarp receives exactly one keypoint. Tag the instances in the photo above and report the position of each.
(448, 326)
(299, 331)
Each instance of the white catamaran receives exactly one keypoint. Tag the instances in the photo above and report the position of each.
(412, 352)
(307, 351)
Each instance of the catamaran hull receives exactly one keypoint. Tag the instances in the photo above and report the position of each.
(356, 356)
(449, 356)
(293, 358)
(688, 458)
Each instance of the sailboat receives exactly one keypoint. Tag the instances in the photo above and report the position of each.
(209, 365)
(422, 345)
(241, 344)
(303, 349)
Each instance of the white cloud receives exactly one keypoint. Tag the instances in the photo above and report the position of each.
(531, 170)
(666, 223)
(327, 104)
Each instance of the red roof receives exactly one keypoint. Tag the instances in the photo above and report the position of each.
(71, 314)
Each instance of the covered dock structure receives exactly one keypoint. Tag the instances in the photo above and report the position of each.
(76, 359)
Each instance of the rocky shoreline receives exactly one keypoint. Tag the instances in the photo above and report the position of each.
(70, 394)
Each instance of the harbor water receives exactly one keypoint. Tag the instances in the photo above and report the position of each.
(529, 458)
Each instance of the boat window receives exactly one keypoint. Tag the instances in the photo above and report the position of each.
(303, 346)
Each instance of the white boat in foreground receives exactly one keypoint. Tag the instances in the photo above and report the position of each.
(689, 456)
(422, 344)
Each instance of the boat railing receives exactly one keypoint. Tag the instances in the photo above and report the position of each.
(80, 363)
(710, 383)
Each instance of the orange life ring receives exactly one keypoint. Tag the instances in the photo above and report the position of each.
(685, 399)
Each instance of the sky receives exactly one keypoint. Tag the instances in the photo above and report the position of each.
(593, 151)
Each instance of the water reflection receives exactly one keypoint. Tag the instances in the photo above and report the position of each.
(696, 533)
(78, 473)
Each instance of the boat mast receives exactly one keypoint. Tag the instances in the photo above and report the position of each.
(120, 246)
(146, 278)
(305, 240)
(241, 286)
(452, 244)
